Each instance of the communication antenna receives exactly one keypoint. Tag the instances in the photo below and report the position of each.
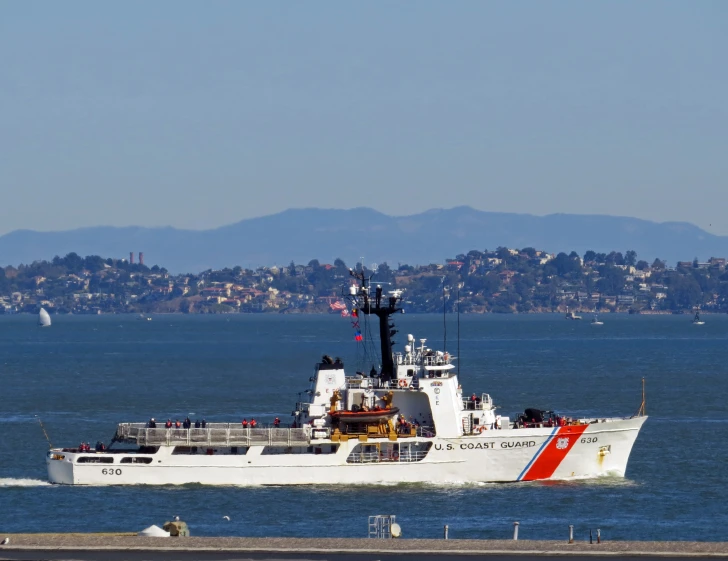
(44, 431)
(458, 297)
(444, 316)
(641, 410)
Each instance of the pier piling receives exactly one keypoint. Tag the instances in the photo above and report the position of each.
(446, 529)
(571, 533)
(515, 530)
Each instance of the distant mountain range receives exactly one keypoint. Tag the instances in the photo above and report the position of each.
(300, 235)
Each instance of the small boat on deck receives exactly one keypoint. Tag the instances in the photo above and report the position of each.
(375, 416)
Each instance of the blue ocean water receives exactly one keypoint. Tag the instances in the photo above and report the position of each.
(84, 374)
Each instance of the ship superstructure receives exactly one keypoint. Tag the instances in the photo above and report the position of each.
(408, 421)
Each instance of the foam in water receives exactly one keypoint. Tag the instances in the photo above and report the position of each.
(22, 482)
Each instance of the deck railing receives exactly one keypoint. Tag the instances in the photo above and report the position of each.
(376, 457)
(483, 402)
(426, 432)
(214, 434)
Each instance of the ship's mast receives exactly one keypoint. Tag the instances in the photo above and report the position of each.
(383, 308)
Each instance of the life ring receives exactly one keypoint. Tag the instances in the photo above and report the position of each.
(403, 383)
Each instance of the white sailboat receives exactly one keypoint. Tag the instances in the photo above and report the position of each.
(44, 319)
(595, 319)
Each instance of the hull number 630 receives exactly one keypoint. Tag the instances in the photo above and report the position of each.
(111, 471)
(588, 439)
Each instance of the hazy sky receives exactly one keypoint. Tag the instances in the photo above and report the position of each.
(198, 114)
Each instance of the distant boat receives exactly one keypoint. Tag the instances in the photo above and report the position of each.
(44, 319)
(595, 320)
(144, 318)
(697, 320)
(571, 315)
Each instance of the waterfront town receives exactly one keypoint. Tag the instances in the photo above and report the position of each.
(503, 280)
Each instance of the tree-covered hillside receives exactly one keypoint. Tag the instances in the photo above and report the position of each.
(502, 281)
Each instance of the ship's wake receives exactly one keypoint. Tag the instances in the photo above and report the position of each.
(22, 482)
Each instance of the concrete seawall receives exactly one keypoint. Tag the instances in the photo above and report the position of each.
(129, 546)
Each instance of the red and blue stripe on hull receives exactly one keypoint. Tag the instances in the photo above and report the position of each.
(552, 452)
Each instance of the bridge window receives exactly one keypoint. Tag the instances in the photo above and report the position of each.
(134, 460)
(95, 460)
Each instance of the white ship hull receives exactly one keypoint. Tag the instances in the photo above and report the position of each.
(567, 452)
(408, 422)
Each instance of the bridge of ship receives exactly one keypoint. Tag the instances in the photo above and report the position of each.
(214, 434)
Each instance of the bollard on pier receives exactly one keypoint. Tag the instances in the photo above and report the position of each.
(571, 533)
(515, 530)
(446, 529)
(599, 536)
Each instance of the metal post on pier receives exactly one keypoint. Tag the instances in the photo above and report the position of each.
(591, 539)
(515, 530)
(571, 533)
(446, 529)
(599, 536)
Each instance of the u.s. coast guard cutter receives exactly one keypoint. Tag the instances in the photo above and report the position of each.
(409, 422)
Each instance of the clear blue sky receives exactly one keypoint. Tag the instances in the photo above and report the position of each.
(198, 114)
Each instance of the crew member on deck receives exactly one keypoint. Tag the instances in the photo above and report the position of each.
(177, 424)
(253, 423)
(197, 423)
(152, 423)
(277, 422)
(168, 424)
(245, 423)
